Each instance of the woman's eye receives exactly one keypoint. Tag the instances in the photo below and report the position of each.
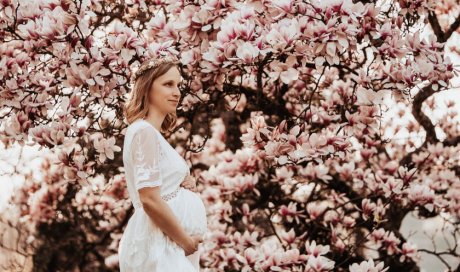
(171, 84)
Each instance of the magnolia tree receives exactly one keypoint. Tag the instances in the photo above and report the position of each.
(282, 110)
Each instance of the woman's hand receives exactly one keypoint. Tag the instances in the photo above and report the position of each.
(189, 182)
(193, 244)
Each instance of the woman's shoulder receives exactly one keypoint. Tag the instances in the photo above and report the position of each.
(139, 126)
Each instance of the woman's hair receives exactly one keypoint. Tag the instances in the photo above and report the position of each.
(136, 107)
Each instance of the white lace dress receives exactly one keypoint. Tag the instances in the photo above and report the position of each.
(149, 160)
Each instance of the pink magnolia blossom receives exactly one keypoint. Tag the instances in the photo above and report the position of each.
(316, 250)
(409, 250)
(420, 194)
(315, 209)
(106, 148)
(320, 263)
(290, 212)
(282, 35)
(247, 52)
(368, 266)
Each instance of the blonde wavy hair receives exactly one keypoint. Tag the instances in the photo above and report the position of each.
(136, 106)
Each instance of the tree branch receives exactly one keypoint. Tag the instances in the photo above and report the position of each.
(440, 34)
(423, 120)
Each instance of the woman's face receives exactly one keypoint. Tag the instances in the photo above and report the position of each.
(164, 94)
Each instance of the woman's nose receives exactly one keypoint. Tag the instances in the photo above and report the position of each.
(177, 92)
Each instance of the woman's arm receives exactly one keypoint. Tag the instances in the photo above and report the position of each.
(162, 215)
(145, 156)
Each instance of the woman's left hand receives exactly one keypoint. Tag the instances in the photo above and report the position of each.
(189, 182)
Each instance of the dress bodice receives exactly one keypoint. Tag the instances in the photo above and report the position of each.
(149, 160)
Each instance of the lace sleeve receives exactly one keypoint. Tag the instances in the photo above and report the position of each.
(145, 150)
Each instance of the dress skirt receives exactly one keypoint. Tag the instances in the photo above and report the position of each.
(145, 248)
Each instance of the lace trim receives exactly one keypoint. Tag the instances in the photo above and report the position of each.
(172, 195)
(143, 171)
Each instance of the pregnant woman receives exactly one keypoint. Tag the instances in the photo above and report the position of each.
(169, 221)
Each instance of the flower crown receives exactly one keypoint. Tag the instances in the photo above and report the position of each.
(151, 64)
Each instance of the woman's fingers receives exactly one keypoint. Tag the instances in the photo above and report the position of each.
(189, 187)
(189, 183)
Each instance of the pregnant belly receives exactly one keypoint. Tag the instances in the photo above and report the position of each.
(189, 209)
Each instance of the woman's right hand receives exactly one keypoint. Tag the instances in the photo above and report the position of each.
(192, 245)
